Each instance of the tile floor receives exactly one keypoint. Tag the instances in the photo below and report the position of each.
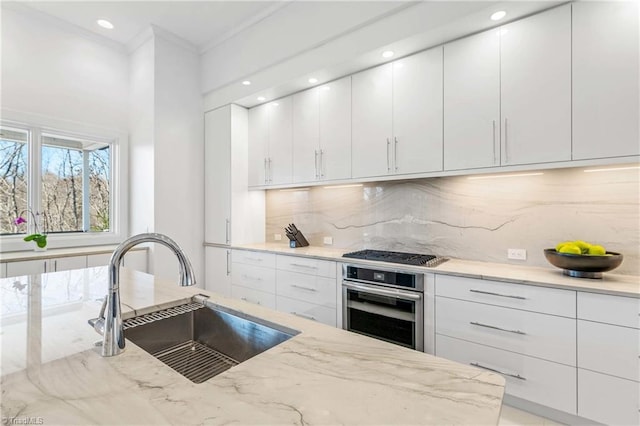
(514, 417)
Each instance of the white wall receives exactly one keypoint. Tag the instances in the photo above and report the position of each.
(52, 71)
(179, 154)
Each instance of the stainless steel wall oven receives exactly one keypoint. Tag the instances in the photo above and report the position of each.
(385, 304)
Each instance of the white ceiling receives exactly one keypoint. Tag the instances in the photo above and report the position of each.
(201, 23)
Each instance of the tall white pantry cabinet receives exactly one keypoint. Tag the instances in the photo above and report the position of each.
(233, 214)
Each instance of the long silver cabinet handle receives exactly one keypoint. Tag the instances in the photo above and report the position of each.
(298, 314)
(321, 163)
(299, 265)
(257, 302)
(388, 164)
(270, 171)
(395, 153)
(247, 277)
(382, 292)
(316, 164)
(255, 259)
(494, 142)
(515, 376)
(473, 290)
(493, 327)
(228, 263)
(227, 230)
(45, 266)
(266, 175)
(303, 288)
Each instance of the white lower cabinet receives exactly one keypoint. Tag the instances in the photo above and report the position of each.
(250, 295)
(544, 382)
(255, 277)
(308, 288)
(41, 266)
(608, 399)
(3, 270)
(218, 270)
(307, 310)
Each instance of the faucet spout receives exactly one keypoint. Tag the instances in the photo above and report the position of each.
(109, 321)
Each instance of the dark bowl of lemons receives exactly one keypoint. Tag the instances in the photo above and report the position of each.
(581, 259)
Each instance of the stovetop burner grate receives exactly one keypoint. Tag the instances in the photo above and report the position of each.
(396, 257)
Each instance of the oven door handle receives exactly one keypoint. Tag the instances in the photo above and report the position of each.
(383, 292)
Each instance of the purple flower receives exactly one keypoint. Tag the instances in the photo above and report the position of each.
(19, 220)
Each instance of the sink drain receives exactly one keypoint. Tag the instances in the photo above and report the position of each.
(195, 361)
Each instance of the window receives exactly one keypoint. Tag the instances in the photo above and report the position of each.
(67, 180)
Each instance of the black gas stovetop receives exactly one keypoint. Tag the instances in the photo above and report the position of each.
(396, 257)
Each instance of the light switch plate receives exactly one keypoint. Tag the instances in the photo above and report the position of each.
(277, 237)
(517, 254)
(328, 241)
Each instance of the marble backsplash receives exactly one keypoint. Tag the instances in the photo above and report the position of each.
(469, 218)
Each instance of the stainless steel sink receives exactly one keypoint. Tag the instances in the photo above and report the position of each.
(200, 340)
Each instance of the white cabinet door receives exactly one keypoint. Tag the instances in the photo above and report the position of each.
(27, 267)
(536, 88)
(306, 135)
(335, 129)
(258, 143)
(609, 349)
(218, 270)
(254, 296)
(280, 141)
(3, 270)
(67, 263)
(217, 182)
(472, 102)
(607, 399)
(417, 113)
(372, 121)
(605, 79)
(307, 310)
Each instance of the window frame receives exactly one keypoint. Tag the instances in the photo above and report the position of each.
(118, 197)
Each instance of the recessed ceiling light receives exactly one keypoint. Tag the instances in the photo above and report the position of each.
(387, 54)
(313, 80)
(496, 16)
(262, 98)
(105, 24)
(246, 83)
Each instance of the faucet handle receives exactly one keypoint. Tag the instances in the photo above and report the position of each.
(98, 323)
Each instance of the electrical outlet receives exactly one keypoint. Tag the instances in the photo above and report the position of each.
(328, 240)
(277, 237)
(517, 254)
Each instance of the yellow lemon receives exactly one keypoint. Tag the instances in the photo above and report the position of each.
(597, 250)
(561, 244)
(570, 248)
(583, 246)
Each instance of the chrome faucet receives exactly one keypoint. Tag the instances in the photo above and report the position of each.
(110, 326)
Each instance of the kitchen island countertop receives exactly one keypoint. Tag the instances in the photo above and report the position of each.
(52, 373)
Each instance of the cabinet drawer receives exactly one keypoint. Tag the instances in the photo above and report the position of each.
(256, 258)
(255, 277)
(312, 289)
(608, 399)
(307, 310)
(616, 310)
(531, 298)
(609, 349)
(544, 336)
(543, 382)
(253, 296)
(322, 268)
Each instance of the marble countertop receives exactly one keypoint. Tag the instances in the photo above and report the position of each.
(52, 372)
(614, 284)
(18, 256)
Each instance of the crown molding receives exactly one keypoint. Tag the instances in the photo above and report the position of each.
(25, 10)
(173, 38)
(140, 39)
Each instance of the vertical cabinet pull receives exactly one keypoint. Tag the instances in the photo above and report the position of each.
(395, 153)
(227, 230)
(228, 263)
(266, 174)
(45, 266)
(316, 164)
(55, 265)
(321, 163)
(506, 143)
(388, 164)
(494, 142)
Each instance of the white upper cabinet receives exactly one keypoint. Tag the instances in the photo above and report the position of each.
(536, 88)
(372, 92)
(306, 135)
(322, 132)
(335, 130)
(397, 116)
(217, 185)
(605, 79)
(472, 102)
(280, 141)
(270, 143)
(417, 113)
(258, 144)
